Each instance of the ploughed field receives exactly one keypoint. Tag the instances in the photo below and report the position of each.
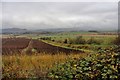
(25, 45)
(14, 45)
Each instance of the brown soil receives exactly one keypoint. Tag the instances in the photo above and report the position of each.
(22, 45)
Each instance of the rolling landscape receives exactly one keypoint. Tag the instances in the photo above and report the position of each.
(49, 52)
(60, 41)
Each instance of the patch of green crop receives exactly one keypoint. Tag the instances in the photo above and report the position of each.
(97, 66)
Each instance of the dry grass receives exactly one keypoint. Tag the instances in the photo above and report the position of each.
(24, 66)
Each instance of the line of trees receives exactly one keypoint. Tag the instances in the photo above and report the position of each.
(81, 40)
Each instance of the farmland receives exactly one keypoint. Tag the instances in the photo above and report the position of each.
(19, 52)
(18, 45)
(12, 45)
(48, 55)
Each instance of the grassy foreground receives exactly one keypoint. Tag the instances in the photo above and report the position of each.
(33, 66)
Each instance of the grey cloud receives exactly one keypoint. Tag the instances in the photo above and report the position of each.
(59, 15)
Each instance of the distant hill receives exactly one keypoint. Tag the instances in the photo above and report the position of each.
(18, 30)
(59, 30)
(70, 29)
(14, 30)
(23, 31)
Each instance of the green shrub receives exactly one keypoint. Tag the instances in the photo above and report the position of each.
(65, 41)
(93, 41)
(117, 41)
(71, 41)
(53, 40)
(95, 67)
(79, 40)
(45, 38)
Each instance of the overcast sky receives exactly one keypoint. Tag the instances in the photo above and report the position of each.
(44, 15)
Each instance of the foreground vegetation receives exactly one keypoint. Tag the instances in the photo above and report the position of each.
(101, 60)
(98, 66)
(33, 66)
